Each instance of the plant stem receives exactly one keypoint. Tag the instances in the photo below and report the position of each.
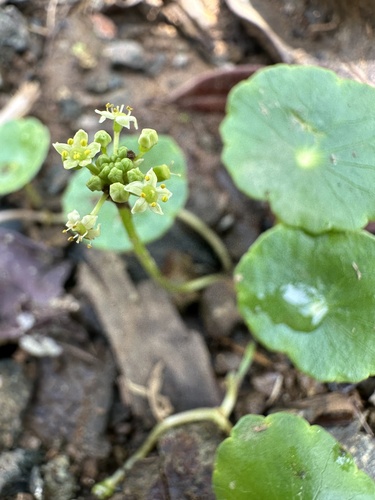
(149, 264)
(218, 415)
(116, 138)
(235, 379)
(100, 203)
(207, 234)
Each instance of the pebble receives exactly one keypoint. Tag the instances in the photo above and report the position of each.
(127, 54)
(102, 82)
(14, 35)
(59, 482)
(16, 467)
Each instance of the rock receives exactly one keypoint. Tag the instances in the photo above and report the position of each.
(15, 392)
(183, 469)
(72, 403)
(127, 54)
(188, 455)
(16, 467)
(102, 81)
(14, 34)
(59, 482)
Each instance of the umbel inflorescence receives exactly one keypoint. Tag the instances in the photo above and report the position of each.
(117, 174)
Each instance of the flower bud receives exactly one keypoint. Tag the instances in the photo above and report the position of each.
(102, 160)
(147, 139)
(103, 138)
(95, 183)
(115, 176)
(162, 172)
(122, 152)
(126, 164)
(104, 172)
(118, 193)
(135, 175)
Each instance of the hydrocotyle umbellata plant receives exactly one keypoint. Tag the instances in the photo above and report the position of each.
(296, 285)
(145, 186)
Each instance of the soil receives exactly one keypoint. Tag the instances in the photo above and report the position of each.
(76, 405)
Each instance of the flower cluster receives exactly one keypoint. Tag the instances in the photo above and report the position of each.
(84, 228)
(117, 175)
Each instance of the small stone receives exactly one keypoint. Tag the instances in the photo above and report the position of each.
(59, 481)
(16, 467)
(14, 35)
(102, 82)
(126, 53)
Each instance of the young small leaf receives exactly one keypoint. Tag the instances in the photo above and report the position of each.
(304, 140)
(282, 457)
(312, 297)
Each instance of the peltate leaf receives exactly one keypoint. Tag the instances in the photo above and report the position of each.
(24, 145)
(313, 298)
(304, 139)
(282, 457)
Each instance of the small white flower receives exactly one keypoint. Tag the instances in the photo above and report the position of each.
(116, 114)
(83, 228)
(77, 152)
(149, 193)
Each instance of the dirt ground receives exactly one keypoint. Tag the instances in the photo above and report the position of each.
(73, 411)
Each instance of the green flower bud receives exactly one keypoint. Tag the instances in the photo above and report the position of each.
(115, 176)
(104, 172)
(162, 172)
(102, 160)
(147, 139)
(126, 164)
(95, 183)
(122, 152)
(118, 193)
(103, 138)
(135, 175)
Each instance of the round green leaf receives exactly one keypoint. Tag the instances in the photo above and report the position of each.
(149, 225)
(304, 140)
(282, 457)
(24, 147)
(313, 298)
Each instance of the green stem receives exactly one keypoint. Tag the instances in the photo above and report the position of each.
(234, 380)
(149, 264)
(207, 234)
(99, 205)
(116, 137)
(218, 415)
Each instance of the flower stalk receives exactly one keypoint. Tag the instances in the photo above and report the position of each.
(149, 265)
